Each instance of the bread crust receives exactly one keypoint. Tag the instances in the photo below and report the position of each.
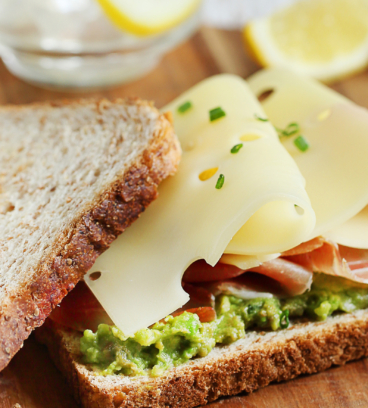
(90, 234)
(248, 364)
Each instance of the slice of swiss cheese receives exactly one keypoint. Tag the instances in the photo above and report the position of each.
(335, 166)
(141, 273)
(353, 233)
(247, 261)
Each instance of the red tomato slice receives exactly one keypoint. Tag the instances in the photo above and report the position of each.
(80, 310)
(200, 271)
(202, 303)
(205, 314)
(199, 297)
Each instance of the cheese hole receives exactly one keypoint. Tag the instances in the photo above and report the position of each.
(298, 209)
(265, 95)
(249, 137)
(207, 174)
(188, 146)
(95, 275)
(324, 115)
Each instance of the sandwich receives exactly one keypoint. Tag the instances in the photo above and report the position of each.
(73, 176)
(250, 267)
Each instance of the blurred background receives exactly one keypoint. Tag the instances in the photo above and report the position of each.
(234, 14)
(157, 49)
(92, 43)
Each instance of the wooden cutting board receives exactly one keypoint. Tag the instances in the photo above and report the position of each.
(32, 381)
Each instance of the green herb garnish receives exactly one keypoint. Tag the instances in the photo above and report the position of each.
(294, 129)
(291, 129)
(261, 119)
(216, 113)
(184, 107)
(236, 148)
(284, 319)
(220, 181)
(301, 143)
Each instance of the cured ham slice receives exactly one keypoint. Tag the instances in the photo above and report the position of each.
(337, 260)
(80, 310)
(305, 247)
(294, 278)
(201, 271)
(236, 288)
(357, 260)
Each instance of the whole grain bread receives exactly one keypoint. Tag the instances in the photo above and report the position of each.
(246, 365)
(73, 176)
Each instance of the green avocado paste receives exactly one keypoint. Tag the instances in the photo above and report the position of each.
(178, 339)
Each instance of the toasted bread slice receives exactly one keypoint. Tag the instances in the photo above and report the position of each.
(246, 365)
(73, 176)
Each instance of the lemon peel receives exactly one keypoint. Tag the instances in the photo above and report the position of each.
(148, 17)
(324, 39)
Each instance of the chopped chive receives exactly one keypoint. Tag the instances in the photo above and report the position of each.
(284, 319)
(236, 148)
(291, 129)
(279, 131)
(216, 113)
(261, 119)
(220, 181)
(301, 143)
(184, 107)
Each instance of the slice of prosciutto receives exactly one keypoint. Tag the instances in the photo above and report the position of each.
(236, 288)
(294, 279)
(334, 259)
(80, 310)
(305, 247)
(201, 271)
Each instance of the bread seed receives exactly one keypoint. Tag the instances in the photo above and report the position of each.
(69, 261)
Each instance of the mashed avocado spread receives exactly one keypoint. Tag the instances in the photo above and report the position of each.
(178, 339)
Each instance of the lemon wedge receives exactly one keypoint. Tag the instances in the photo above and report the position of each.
(147, 17)
(325, 39)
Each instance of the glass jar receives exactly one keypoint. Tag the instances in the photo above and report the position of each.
(72, 44)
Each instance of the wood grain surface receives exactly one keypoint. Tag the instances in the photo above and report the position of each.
(32, 381)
